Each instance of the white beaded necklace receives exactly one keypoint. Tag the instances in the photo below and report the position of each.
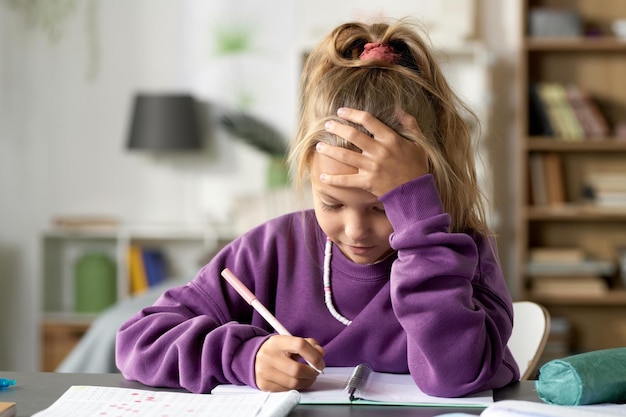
(328, 292)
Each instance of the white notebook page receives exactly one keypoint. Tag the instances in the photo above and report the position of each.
(382, 387)
(81, 401)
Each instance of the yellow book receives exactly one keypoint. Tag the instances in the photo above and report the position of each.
(136, 271)
(574, 130)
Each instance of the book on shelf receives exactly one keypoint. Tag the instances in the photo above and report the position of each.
(553, 171)
(560, 111)
(552, 110)
(567, 112)
(567, 271)
(607, 181)
(546, 178)
(607, 185)
(557, 254)
(586, 267)
(606, 167)
(537, 179)
(136, 271)
(591, 119)
(146, 268)
(609, 198)
(566, 285)
(154, 265)
(574, 128)
(538, 120)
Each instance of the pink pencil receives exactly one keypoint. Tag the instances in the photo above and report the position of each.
(253, 301)
(256, 304)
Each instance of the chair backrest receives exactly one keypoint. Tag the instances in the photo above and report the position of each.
(531, 325)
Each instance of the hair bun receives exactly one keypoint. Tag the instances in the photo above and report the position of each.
(379, 52)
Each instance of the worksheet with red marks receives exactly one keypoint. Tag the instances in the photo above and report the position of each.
(81, 400)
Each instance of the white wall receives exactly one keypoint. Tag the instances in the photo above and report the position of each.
(62, 134)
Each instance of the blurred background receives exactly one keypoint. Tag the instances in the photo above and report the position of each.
(70, 75)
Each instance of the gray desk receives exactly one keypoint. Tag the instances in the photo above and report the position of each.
(35, 391)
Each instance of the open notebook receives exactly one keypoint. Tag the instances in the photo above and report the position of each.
(518, 408)
(380, 388)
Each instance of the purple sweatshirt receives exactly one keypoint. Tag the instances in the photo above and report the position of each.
(439, 309)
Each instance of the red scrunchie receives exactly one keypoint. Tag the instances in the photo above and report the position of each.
(380, 52)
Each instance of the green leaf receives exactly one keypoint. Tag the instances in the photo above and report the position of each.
(233, 39)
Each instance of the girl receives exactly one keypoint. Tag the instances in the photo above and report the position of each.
(395, 265)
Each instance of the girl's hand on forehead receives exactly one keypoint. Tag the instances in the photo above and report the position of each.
(388, 160)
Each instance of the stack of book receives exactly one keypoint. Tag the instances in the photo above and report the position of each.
(606, 185)
(146, 268)
(567, 272)
(567, 112)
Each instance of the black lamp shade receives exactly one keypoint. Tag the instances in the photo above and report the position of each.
(164, 122)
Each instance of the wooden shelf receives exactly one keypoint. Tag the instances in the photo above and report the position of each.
(547, 144)
(61, 325)
(612, 298)
(576, 44)
(575, 213)
(567, 173)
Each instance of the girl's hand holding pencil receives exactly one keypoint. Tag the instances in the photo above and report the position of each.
(275, 367)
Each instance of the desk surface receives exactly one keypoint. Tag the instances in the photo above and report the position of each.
(35, 391)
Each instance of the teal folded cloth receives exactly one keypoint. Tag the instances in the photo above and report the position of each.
(587, 378)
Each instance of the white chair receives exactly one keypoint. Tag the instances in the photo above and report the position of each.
(531, 325)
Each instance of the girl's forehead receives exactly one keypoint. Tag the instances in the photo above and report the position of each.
(325, 164)
(322, 164)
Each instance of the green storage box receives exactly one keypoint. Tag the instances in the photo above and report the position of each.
(95, 283)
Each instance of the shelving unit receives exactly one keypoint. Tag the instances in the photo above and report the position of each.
(61, 326)
(596, 63)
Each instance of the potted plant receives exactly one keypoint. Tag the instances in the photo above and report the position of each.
(265, 138)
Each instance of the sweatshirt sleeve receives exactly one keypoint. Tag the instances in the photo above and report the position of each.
(449, 295)
(191, 337)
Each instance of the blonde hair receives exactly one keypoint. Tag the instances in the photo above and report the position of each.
(334, 77)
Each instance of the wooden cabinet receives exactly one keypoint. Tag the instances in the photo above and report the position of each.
(58, 339)
(594, 62)
(62, 321)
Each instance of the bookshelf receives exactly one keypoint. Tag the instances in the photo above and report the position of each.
(64, 316)
(593, 61)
